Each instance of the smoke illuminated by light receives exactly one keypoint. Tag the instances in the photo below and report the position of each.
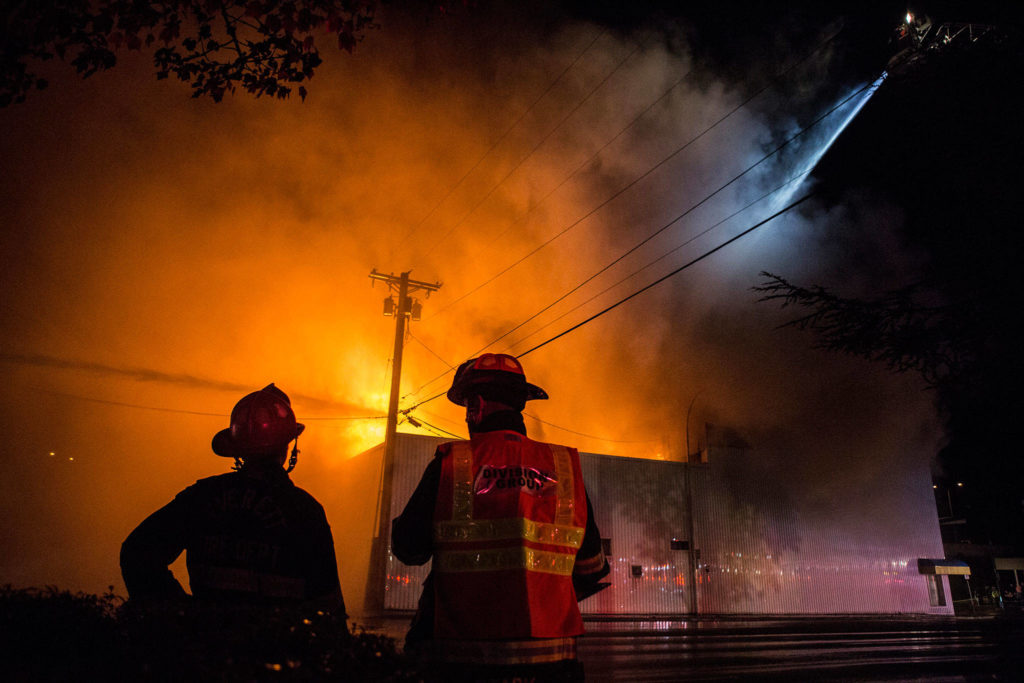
(162, 256)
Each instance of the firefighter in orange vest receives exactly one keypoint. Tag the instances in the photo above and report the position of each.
(512, 536)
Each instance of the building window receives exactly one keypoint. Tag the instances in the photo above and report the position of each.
(606, 547)
(677, 544)
(936, 592)
(636, 570)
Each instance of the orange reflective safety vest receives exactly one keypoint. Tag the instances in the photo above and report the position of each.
(510, 517)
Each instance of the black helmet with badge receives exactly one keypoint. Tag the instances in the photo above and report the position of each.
(495, 376)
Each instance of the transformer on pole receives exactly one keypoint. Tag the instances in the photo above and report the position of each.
(403, 307)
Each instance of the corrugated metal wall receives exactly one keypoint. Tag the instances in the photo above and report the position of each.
(412, 454)
(755, 553)
(761, 552)
(640, 507)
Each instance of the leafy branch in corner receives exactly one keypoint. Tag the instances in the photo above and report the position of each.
(266, 47)
(939, 342)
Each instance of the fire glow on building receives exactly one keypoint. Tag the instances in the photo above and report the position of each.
(166, 256)
(719, 534)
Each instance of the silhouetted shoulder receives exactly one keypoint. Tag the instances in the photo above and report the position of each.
(204, 487)
(306, 499)
(444, 449)
(225, 479)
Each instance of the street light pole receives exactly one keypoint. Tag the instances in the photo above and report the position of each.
(694, 553)
(687, 429)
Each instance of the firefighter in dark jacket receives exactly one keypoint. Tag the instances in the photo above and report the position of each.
(512, 536)
(250, 536)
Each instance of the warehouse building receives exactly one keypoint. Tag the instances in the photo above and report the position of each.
(715, 535)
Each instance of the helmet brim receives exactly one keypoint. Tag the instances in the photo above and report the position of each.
(459, 395)
(226, 446)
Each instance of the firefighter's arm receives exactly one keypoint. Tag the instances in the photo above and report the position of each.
(412, 532)
(591, 565)
(324, 586)
(150, 549)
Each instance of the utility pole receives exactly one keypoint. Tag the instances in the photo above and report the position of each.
(694, 552)
(404, 309)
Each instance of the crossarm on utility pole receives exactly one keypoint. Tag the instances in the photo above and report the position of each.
(381, 534)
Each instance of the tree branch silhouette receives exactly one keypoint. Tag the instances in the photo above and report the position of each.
(897, 329)
(264, 47)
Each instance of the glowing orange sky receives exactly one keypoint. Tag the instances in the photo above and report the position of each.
(232, 242)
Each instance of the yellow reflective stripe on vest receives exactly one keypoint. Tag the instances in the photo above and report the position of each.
(496, 652)
(462, 477)
(566, 486)
(503, 529)
(494, 559)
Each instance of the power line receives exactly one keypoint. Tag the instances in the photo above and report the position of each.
(354, 417)
(502, 137)
(674, 272)
(672, 222)
(651, 170)
(659, 258)
(569, 177)
(435, 416)
(534, 417)
(420, 422)
(416, 421)
(190, 412)
(680, 216)
(634, 294)
(137, 373)
(706, 254)
(150, 375)
(135, 405)
(426, 400)
(535, 148)
(433, 353)
(424, 426)
(589, 436)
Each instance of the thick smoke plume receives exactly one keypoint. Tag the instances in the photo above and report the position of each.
(162, 256)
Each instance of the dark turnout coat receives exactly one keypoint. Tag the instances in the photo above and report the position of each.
(249, 536)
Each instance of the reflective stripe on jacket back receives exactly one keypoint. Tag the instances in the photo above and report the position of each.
(510, 517)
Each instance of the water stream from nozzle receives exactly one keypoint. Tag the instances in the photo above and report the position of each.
(807, 165)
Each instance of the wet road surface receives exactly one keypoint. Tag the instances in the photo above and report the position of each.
(989, 647)
(806, 649)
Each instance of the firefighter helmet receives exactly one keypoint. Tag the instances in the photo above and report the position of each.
(492, 372)
(260, 422)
